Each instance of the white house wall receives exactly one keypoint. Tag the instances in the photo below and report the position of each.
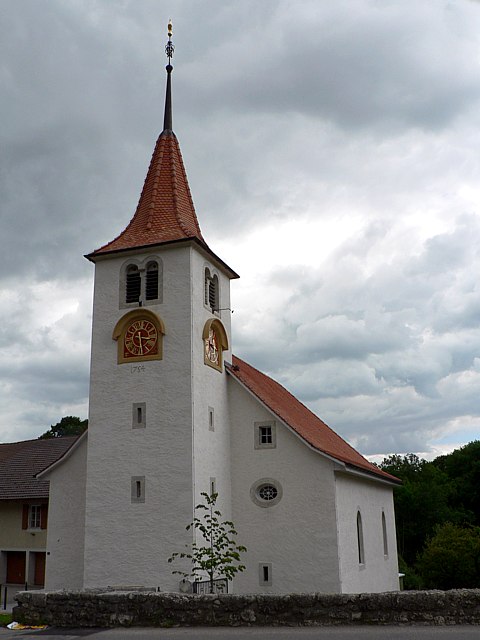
(298, 535)
(66, 522)
(379, 572)
(128, 543)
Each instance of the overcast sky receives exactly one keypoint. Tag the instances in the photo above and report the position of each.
(333, 153)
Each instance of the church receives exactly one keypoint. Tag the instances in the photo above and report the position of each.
(173, 413)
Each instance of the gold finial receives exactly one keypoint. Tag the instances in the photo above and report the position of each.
(169, 49)
(170, 29)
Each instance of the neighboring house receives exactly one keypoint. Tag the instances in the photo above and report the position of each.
(24, 508)
(173, 414)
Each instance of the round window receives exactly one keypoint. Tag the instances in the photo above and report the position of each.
(266, 492)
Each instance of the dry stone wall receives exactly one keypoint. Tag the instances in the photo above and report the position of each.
(140, 608)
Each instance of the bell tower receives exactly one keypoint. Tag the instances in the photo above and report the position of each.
(158, 420)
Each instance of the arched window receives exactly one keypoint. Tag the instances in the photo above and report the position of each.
(384, 533)
(141, 282)
(133, 284)
(212, 298)
(361, 552)
(151, 281)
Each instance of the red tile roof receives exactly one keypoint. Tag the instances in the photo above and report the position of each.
(20, 461)
(296, 415)
(165, 211)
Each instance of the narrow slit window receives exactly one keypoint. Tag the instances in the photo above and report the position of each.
(138, 489)
(211, 419)
(139, 415)
(384, 534)
(133, 284)
(361, 552)
(265, 573)
(151, 284)
(213, 486)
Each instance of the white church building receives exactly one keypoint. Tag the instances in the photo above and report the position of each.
(173, 413)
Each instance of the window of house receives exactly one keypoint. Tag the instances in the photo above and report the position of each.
(139, 417)
(138, 489)
(384, 534)
(212, 298)
(265, 435)
(266, 492)
(361, 551)
(35, 517)
(265, 573)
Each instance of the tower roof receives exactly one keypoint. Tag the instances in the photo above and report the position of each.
(165, 211)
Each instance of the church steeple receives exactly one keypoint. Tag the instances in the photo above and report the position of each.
(165, 211)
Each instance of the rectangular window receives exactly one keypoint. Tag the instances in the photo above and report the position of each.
(211, 419)
(265, 574)
(139, 415)
(35, 517)
(213, 486)
(265, 435)
(138, 489)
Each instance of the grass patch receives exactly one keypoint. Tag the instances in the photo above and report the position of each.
(5, 618)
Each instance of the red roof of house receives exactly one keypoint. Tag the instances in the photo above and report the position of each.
(21, 461)
(165, 211)
(296, 415)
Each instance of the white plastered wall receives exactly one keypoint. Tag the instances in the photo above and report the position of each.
(66, 521)
(211, 448)
(129, 543)
(298, 535)
(379, 572)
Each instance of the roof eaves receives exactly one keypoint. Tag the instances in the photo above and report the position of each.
(66, 454)
(203, 246)
(372, 474)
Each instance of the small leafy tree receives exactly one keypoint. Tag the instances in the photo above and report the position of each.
(219, 557)
(68, 426)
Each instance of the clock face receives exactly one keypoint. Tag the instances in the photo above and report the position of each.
(140, 339)
(211, 348)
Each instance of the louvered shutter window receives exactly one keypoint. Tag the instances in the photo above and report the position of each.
(151, 285)
(133, 285)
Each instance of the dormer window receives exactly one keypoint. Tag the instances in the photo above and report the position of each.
(141, 282)
(211, 291)
(133, 284)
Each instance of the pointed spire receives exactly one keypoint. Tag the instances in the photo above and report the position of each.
(169, 49)
(165, 211)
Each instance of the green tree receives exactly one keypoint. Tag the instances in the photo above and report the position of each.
(421, 503)
(451, 558)
(68, 426)
(462, 466)
(219, 557)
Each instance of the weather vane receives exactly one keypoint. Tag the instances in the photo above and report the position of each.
(169, 49)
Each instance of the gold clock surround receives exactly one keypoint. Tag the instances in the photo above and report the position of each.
(215, 342)
(139, 335)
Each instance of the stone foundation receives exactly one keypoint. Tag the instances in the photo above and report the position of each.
(139, 608)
